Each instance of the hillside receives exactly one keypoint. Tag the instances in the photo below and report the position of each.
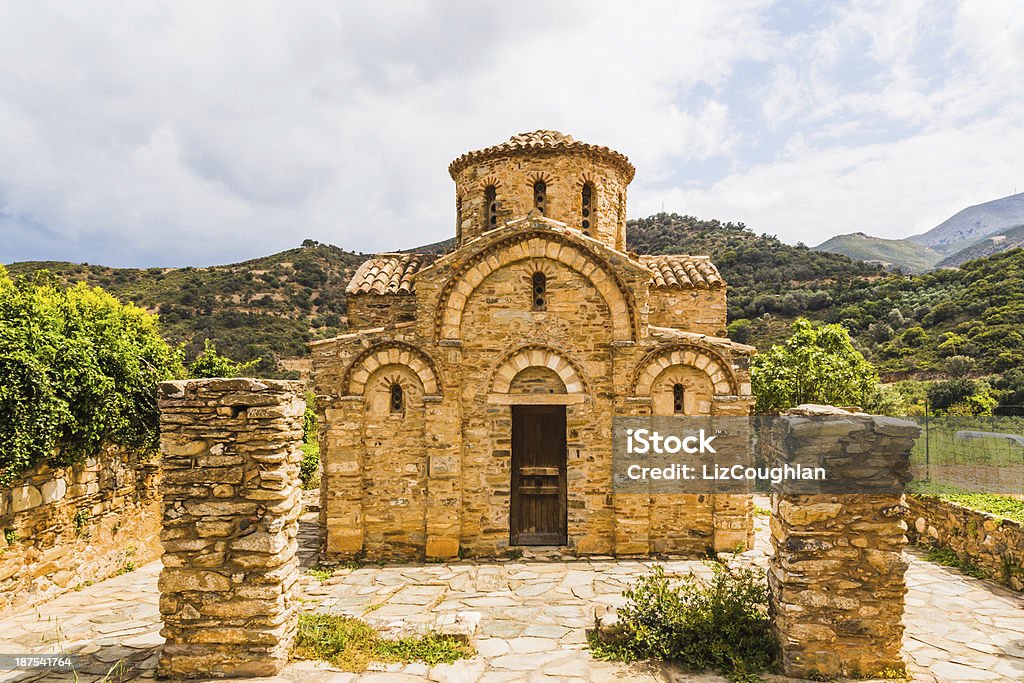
(966, 320)
(1003, 240)
(893, 254)
(974, 223)
(266, 308)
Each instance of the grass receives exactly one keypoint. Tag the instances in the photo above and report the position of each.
(1004, 506)
(351, 644)
(320, 573)
(948, 558)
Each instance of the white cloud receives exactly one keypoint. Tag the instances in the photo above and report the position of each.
(202, 133)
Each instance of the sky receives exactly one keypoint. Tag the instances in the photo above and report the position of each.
(197, 133)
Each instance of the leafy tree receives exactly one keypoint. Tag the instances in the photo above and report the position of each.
(818, 364)
(211, 364)
(942, 395)
(78, 369)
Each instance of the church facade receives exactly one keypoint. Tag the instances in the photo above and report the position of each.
(469, 410)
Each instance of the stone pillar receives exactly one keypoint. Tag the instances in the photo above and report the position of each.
(444, 479)
(836, 579)
(341, 492)
(232, 498)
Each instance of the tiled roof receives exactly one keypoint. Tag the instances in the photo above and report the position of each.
(541, 140)
(388, 274)
(683, 272)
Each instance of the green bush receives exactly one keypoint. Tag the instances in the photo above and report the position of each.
(722, 624)
(78, 369)
(211, 364)
(309, 469)
(818, 364)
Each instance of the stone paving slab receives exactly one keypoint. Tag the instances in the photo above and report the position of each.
(527, 619)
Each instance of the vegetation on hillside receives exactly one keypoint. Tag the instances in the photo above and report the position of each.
(260, 310)
(901, 255)
(78, 370)
(947, 323)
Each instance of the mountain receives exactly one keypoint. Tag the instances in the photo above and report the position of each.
(974, 223)
(993, 244)
(902, 254)
(908, 325)
(265, 309)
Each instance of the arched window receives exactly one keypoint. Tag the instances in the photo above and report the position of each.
(677, 399)
(458, 219)
(589, 218)
(490, 208)
(540, 292)
(540, 197)
(397, 399)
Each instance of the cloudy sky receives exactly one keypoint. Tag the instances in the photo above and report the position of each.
(199, 133)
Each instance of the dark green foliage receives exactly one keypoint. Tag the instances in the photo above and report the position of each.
(78, 369)
(722, 624)
(942, 395)
(211, 364)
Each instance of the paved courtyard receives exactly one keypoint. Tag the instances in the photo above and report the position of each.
(527, 619)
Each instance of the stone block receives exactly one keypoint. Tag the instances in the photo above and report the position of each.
(25, 498)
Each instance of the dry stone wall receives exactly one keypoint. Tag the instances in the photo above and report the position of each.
(67, 526)
(992, 543)
(837, 576)
(232, 498)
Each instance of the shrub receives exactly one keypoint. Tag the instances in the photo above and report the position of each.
(721, 624)
(309, 469)
(78, 369)
(211, 364)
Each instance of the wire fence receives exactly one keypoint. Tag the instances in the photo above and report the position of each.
(978, 454)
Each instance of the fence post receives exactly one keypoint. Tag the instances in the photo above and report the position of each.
(836, 579)
(232, 498)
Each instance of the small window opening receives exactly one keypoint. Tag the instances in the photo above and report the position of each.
(677, 399)
(397, 398)
(587, 208)
(540, 292)
(458, 220)
(490, 207)
(540, 196)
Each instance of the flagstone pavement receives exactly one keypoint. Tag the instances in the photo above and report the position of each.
(527, 619)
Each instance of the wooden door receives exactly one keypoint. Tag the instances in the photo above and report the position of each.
(538, 502)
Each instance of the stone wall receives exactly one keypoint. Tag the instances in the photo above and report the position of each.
(992, 543)
(837, 576)
(68, 526)
(367, 311)
(704, 310)
(232, 498)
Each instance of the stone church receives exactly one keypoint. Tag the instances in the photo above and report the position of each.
(469, 410)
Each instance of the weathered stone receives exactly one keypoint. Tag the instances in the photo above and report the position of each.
(25, 497)
(230, 543)
(54, 490)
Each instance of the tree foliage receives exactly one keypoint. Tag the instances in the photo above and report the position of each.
(211, 364)
(78, 369)
(818, 364)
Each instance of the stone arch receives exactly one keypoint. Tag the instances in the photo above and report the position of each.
(654, 363)
(391, 353)
(535, 244)
(537, 356)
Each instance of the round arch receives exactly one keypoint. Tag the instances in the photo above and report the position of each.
(535, 244)
(537, 356)
(654, 363)
(391, 353)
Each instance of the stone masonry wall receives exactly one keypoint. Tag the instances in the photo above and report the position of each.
(837, 576)
(232, 500)
(68, 526)
(990, 542)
